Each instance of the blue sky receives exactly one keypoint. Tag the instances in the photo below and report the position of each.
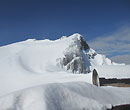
(94, 19)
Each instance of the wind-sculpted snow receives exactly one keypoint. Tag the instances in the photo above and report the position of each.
(69, 53)
(98, 59)
(64, 96)
(26, 65)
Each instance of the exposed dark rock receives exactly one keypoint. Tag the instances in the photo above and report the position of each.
(75, 58)
(83, 43)
(91, 56)
(121, 107)
(114, 81)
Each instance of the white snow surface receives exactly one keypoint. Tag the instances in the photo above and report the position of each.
(65, 96)
(99, 60)
(31, 80)
(33, 62)
(114, 71)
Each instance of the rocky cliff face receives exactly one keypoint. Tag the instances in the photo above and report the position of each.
(75, 57)
(79, 57)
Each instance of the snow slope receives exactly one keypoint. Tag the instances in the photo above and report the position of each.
(98, 59)
(38, 74)
(65, 96)
(114, 71)
(29, 63)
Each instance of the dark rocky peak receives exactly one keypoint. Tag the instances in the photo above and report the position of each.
(75, 58)
(80, 39)
(83, 43)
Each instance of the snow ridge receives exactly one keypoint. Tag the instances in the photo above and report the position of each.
(38, 75)
(75, 58)
(79, 57)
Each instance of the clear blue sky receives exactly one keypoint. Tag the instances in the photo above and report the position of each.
(23, 19)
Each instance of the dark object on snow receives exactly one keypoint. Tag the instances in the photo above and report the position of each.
(95, 78)
(121, 107)
(115, 82)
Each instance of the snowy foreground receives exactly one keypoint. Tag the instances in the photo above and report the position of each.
(65, 96)
(57, 75)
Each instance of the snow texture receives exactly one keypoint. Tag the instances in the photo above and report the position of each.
(65, 96)
(38, 75)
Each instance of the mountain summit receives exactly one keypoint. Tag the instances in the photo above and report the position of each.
(75, 57)
(70, 53)
(79, 57)
(51, 75)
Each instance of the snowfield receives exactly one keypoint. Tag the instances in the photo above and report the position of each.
(65, 96)
(57, 75)
(117, 71)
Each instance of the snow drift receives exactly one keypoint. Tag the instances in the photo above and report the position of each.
(35, 56)
(54, 75)
(65, 96)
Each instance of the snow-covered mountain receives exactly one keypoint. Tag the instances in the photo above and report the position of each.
(79, 57)
(38, 75)
(70, 53)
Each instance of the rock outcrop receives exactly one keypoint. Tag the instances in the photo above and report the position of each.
(75, 58)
